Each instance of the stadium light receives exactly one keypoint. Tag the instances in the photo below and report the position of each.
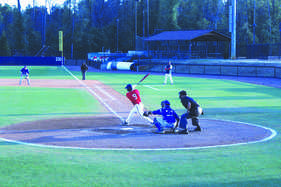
(254, 23)
(233, 30)
(136, 24)
(147, 12)
(117, 25)
(280, 37)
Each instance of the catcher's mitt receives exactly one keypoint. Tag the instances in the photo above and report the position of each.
(147, 113)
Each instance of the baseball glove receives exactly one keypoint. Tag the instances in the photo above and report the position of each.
(147, 113)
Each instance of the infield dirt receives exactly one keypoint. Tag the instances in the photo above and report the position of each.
(105, 131)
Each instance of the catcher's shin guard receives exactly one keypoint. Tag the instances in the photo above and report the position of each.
(195, 121)
(157, 124)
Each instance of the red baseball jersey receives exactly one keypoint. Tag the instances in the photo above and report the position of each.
(134, 96)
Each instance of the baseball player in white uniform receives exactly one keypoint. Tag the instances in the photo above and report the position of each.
(168, 73)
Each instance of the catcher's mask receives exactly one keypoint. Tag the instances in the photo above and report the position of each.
(182, 93)
(163, 104)
(167, 102)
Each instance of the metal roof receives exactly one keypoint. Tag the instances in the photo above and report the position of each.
(193, 35)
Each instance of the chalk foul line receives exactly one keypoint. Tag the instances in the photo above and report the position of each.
(94, 93)
(151, 87)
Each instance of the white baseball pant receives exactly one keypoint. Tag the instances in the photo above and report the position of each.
(138, 109)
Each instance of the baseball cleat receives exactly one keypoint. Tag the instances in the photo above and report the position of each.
(181, 131)
(198, 128)
(125, 123)
(160, 132)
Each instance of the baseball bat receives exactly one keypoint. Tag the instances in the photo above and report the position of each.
(143, 78)
(134, 86)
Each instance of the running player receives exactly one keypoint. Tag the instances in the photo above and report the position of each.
(134, 96)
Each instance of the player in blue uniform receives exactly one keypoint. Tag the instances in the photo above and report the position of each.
(25, 75)
(169, 119)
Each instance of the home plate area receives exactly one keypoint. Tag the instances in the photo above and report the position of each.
(105, 132)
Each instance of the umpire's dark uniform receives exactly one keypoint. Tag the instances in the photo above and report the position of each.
(84, 68)
(193, 111)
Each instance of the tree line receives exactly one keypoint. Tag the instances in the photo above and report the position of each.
(100, 25)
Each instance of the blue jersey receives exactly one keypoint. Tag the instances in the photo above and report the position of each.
(168, 114)
(168, 69)
(24, 71)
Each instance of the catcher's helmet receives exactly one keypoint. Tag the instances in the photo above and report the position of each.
(163, 104)
(129, 87)
(167, 102)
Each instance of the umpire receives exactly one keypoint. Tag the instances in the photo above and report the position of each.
(84, 68)
(193, 111)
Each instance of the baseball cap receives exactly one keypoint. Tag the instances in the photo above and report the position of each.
(182, 92)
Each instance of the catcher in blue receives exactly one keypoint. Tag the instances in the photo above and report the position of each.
(25, 75)
(169, 120)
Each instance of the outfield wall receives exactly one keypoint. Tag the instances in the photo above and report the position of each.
(246, 69)
(31, 61)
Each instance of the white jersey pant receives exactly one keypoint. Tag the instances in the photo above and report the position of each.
(24, 77)
(166, 77)
(138, 109)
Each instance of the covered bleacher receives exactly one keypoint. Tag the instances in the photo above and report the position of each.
(188, 44)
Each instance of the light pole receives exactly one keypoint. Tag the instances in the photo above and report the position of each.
(233, 31)
(147, 16)
(280, 40)
(280, 31)
(254, 23)
(136, 23)
(117, 23)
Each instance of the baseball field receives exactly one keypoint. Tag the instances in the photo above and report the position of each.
(55, 93)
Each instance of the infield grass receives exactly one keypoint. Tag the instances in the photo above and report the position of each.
(245, 165)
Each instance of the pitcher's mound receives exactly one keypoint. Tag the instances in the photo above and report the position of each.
(106, 132)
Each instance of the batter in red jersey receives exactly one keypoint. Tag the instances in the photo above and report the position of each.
(134, 96)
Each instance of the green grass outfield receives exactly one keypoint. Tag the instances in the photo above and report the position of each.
(256, 164)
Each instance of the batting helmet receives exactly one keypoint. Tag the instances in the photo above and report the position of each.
(129, 87)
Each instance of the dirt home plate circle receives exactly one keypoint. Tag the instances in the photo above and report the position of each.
(105, 132)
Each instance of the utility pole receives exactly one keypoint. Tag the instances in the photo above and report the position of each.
(34, 11)
(254, 23)
(233, 30)
(136, 22)
(44, 20)
(269, 16)
(72, 12)
(143, 20)
(19, 6)
(280, 40)
(117, 28)
(147, 17)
